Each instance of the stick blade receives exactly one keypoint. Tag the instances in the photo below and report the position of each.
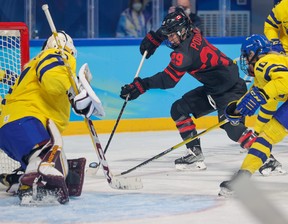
(124, 183)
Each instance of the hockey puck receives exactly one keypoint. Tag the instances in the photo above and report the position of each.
(94, 165)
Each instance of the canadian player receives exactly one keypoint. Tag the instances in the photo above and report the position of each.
(34, 114)
(219, 76)
(270, 88)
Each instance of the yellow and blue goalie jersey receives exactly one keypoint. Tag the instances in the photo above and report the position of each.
(41, 91)
(276, 24)
(271, 75)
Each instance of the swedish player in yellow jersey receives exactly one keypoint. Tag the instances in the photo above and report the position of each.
(269, 89)
(41, 95)
(276, 27)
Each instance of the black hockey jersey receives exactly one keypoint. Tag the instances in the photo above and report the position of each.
(196, 56)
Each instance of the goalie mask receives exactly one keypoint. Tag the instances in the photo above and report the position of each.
(176, 22)
(255, 45)
(65, 41)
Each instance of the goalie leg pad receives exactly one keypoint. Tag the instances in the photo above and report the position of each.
(46, 171)
(75, 178)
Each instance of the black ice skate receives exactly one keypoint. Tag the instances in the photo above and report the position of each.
(194, 159)
(226, 187)
(11, 181)
(272, 167)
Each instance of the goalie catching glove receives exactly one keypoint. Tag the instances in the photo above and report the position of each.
(134, 89)
(151, 41)
(86, 103)
(82, 104)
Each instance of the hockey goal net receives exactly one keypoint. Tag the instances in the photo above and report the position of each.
(14, 53)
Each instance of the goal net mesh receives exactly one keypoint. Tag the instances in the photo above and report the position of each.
(11, 63)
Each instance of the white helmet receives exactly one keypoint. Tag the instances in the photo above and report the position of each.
(65, 41)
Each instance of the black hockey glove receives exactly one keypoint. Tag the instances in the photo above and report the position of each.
(135, 89)
(230, 114)
(151, 41)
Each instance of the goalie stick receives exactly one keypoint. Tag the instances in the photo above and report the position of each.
(174, 147)
(114, 182)
(95, 165)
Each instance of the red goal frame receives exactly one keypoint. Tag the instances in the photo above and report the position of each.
(24, 38)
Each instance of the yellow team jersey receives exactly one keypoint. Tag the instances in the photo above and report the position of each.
(271, 74)
(41, 91)
(276, 24)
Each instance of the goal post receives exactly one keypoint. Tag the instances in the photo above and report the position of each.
(14, 54)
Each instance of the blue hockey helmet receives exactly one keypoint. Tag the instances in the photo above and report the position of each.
(257, 44)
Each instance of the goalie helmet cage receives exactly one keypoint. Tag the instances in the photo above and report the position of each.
(14, 54)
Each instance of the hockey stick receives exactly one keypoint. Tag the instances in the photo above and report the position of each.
(95, 165)
(174, 147)
(114, 182)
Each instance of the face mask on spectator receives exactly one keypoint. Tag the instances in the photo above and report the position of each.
(137, 6)
(187, 11)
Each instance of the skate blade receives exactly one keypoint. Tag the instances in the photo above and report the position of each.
(277, 172)
(198, 166)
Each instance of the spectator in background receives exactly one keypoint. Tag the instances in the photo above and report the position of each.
(276, 27)
(187, 7)
(134, 21)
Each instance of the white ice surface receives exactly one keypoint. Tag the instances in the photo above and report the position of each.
(168, 196)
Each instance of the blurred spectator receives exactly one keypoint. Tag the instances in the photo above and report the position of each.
(187, 7)
(276, 27)
(134, 21)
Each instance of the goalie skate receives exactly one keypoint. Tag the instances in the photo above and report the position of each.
(42, 190)
(39, 196)
(11, 181)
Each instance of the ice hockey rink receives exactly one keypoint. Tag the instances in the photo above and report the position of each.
(168, 196)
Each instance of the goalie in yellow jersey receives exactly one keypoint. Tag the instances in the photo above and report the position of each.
(269, 89)
(34, 114)
(276, 27)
